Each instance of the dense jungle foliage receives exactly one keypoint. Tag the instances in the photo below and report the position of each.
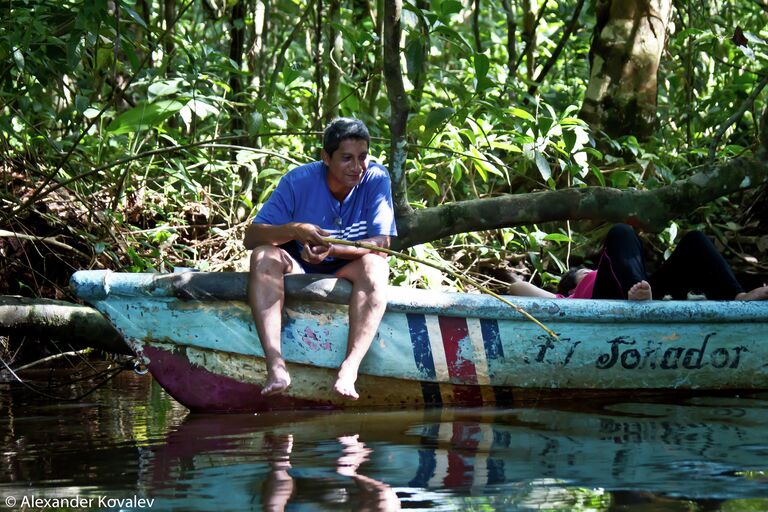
(140, 135)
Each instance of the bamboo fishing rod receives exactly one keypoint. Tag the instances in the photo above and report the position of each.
(464, 279)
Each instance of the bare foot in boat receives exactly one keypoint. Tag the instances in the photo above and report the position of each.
(640, 291)
(760, 293)
(345, 384)
(278, 380)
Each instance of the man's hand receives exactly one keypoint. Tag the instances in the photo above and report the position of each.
(315, 254)
(309, 234)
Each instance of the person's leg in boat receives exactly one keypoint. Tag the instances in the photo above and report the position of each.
(369, 275)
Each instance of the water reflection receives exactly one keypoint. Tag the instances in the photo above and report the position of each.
(131, 439)
(630, 454)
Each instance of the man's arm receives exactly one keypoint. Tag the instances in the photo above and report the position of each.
(346, 252)
(267, 234)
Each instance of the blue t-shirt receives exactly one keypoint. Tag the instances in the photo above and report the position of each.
(303, 196)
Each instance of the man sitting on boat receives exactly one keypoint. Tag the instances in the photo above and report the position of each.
(694, 267)
(342, 196)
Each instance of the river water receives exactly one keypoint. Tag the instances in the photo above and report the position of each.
(129, 446)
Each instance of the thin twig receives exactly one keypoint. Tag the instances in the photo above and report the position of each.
(464, 279)
(735, 117)
(51, 358)
(45, 240)
(560, 45)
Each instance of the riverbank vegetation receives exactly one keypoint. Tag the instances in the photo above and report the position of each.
(142, 136)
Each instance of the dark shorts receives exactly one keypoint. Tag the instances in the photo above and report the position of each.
(326, 267)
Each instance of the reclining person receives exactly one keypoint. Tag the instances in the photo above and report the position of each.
(695, 266)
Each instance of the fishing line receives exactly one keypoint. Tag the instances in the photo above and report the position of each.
(464, 279)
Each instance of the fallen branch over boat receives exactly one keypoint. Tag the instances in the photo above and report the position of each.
(54, 319)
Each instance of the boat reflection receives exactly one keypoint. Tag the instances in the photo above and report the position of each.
(704, 449)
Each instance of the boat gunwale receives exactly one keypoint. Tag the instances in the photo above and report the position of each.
(100, 285)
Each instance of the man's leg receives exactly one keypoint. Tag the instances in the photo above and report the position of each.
(266, 295)
(621, 264)
(367, 303)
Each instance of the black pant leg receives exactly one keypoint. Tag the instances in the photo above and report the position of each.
(621, 264)
(695, 266)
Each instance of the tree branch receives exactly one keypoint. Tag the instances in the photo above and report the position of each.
(649, 209)
(57, 319)
(560, 45)
(735, 117)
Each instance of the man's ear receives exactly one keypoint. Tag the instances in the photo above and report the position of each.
(325, 157)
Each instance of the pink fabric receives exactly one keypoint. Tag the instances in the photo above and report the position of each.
(584, 289)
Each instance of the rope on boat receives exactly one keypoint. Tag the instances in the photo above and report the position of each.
(464, 279)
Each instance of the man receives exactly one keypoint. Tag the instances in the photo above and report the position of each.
(342, 196)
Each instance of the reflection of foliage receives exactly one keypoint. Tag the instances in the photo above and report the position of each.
(544, 495)
(169, 156)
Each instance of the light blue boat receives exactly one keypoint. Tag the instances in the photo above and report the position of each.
(195, 332)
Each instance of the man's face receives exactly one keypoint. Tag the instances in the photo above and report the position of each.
(347, 164)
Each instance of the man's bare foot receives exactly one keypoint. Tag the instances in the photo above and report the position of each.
(760, 293)
(345, 384)
(640, 291)
(278, 380)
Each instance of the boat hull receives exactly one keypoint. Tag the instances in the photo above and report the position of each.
(196, 334)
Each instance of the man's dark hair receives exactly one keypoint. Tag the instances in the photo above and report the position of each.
(568, 281)
(343, 128)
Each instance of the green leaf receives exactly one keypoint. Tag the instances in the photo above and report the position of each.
(144, 117)
(454, 36)
(90, 113)
(543, 166)
(133, 14)
(482, 63)
(164, 87)
(512, 148)
(415, 57)
(522, 114)
(433, 185)
(435, 119)
(482, 162)
(557, 237)
(81, 104)
(448, 7)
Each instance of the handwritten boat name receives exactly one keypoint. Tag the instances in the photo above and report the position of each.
(627, 353)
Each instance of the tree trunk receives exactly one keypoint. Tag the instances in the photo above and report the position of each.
(374, 86)
(529, 36)
(509, 13)
(626, 49)
(476, 27)
(236, 47)
(398, 101)
(333, 63)
(143, 36)
(318, 60)
(55, 319)
(256, 47)
(650, 209)
(169, 15)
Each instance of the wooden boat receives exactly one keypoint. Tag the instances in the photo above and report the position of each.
(195, 332)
